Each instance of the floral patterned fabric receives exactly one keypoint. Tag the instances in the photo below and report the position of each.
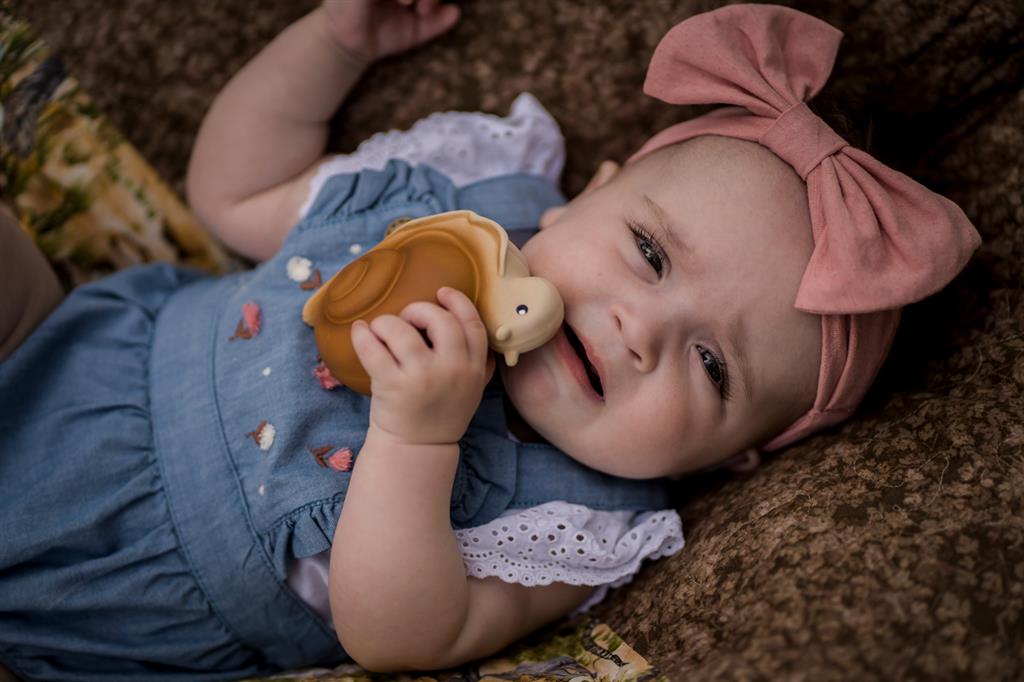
(891, 548)
(86, 196)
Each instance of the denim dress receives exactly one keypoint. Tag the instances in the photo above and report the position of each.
(166, 452)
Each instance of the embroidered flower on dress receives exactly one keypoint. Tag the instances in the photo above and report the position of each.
(339, 460)
(263, 435)
(313, 282)
(299, 268)
(318, 453)
(324, 376)
(249, 325)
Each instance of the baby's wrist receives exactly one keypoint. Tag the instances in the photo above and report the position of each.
(332, 33)
(409, 446)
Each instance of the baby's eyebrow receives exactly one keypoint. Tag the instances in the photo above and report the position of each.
(672, 235)
(736, 335)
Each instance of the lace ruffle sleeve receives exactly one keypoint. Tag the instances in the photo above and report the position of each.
(569, 543)
(465, 146)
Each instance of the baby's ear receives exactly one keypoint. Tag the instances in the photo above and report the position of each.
(740, 463)
(744, 462)
(605, 172)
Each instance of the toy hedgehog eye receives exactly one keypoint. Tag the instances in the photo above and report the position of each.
(522, 309)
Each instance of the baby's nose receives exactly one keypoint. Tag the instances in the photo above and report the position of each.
(642, 334)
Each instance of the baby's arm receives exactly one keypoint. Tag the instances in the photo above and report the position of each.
(400, 597)
(265, 134)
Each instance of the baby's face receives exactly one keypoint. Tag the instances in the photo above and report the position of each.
(678, 276)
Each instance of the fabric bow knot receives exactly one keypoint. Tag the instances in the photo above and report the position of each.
(881, 239)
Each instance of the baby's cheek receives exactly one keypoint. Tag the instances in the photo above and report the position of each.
(680, 433)
(529, 386)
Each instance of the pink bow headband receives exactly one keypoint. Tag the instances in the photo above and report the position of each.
(881, 240)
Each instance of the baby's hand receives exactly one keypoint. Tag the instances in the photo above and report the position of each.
(425, 394)
(370, 29)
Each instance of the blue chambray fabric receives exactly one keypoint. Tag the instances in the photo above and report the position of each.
(147, 535)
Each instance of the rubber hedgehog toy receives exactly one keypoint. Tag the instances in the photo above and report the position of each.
(458, 249)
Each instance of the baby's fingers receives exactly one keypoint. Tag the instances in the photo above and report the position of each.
(466, 313)
(443, 329)
(402, 338)
(426, 6)
(370, 350)
(435, 18)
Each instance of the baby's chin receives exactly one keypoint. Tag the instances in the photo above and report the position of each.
(519, 408)
(533, 391)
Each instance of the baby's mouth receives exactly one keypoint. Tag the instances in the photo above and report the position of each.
(577, 345)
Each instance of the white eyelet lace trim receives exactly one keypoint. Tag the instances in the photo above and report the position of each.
(569, 543)
(465, 146)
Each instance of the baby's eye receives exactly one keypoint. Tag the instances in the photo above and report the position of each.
(649, 247)
(716, 371)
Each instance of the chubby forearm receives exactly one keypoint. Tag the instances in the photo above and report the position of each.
(270, 123)
(400, 597)
(399, 592)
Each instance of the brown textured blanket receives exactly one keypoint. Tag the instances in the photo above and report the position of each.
(891, 548)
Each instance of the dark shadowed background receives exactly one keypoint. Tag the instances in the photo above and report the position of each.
(891, 548)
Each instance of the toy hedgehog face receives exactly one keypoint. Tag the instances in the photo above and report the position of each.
(532, 315)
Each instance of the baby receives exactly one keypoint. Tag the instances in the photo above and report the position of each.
(222, 509)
